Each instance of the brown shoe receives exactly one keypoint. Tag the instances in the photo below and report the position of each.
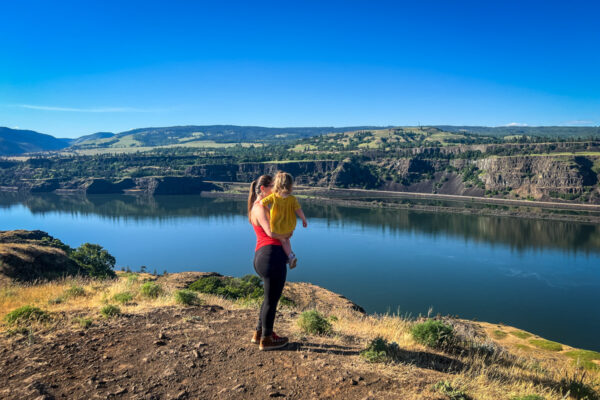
(256, 336)
(272, 342)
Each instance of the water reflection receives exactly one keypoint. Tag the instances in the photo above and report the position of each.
(517, 233)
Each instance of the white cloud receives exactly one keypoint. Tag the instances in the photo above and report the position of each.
(90, 110)
(16, 127)
(516, 124)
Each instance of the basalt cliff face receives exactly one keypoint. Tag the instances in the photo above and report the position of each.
(540, 177)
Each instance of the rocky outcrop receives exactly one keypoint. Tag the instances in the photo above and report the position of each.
(28, 256)
(104, 186)
(174, 185)
(537, 175)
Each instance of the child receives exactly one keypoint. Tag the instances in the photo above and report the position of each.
(284, 208)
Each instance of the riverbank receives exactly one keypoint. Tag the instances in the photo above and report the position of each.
(157, 347)
(466, 205)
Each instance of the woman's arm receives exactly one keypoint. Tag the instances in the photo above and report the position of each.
(260, 212)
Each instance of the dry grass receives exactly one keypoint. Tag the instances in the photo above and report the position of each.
(504, 372)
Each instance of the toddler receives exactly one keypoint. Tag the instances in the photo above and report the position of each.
(283, 210)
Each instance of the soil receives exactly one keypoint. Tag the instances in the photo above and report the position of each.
(195, 352)
(201, 352)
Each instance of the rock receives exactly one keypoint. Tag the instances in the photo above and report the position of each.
(239, 387)
(276, 394)
(196, 354)
(160, 342)
(162, 336)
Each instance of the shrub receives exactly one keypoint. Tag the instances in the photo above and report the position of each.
(123, 297)
(186, 297)
(546, 344)
(151, 289)
(432, 333)
(96, 261)
(109, 311)
(446, 388)
(313, 322)
(26, 314)
(379, 350)
(74, 291)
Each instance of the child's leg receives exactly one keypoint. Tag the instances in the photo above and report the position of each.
(287, 246)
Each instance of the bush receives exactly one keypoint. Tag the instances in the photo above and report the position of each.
(109, 311)
(546, 344)
(26, 314)
(56, 300)
(433, 333)
(453, 394)
(151, 289)
(96, 261)
(313, 322)
(379, 350)
(186, 297)
(123, 297)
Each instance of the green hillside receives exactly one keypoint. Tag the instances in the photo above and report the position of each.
(18, 141)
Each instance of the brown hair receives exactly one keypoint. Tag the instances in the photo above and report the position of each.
(283, 183)
(263, 180)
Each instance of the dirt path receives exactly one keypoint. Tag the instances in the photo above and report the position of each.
(201, 352)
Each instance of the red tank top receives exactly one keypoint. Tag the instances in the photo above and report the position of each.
(262, 239)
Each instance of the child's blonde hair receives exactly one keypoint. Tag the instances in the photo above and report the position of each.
(283, 183)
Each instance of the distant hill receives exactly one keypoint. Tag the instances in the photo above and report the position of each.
(195, 135)
(549, 131)
(18, 141)
(93, 136)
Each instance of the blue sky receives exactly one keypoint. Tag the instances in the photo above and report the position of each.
(74, 68)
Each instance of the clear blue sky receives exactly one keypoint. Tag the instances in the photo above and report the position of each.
(74, 68)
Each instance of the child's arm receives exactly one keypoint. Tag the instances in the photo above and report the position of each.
(300, 213)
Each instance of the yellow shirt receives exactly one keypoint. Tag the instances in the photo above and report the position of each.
(283, 212)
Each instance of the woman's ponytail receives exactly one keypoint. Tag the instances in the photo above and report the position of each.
(263, 180)
(251, 197)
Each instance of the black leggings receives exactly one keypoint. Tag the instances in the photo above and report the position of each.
(270, 264)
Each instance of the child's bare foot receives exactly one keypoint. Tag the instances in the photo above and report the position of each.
(292, 260)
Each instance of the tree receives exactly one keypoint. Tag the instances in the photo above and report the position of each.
(96, 261)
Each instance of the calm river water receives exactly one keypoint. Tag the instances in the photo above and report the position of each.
(541, 276)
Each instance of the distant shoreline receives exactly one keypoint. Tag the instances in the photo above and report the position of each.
(335, 196)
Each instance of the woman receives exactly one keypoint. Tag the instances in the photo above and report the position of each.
(269, 263)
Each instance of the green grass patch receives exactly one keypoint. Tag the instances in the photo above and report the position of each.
(151, 290)
(432, 333)
(585, 358)
(247, 289)
(379, 351)
(529, 397)
(520, 334)
(110, 311)
(186, 297)
(74, 291)
(498, 334)
(83, 322)
(26, 314)
(546, 344)
(56, 300)
(313, 322)
(123, 297)
(451, 392)
(522, 347)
